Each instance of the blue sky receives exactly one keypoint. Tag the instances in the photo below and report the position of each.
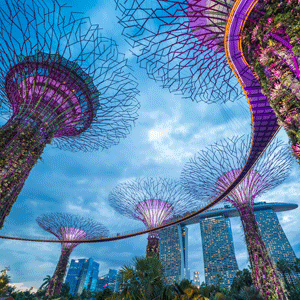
(168, 132)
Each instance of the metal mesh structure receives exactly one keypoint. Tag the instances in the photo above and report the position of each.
(212, 171)
(181, 44)
(154, 201)
(68, 227)
(61, 82)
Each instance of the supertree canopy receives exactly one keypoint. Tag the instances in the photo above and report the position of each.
(67, 227)
(184, 43)
(61, 82)
(181, 43)
(210, 173)
(271, 44)
(154, 201)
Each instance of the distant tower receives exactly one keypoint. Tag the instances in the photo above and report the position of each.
(154, 201)
(82, 274)
(173, 252)
(196, 279)
(274, 237)
(67, 227)
(220, 265)
(61, 82)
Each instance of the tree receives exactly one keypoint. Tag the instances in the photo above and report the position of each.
(284, 268)
(46, 282)
(241, 279)
(144, 280)
(4, 281)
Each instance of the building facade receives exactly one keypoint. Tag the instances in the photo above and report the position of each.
(197, 279)
(82, 274)
(274, 237)
(173, 252)
(220, 265)
(102, 283)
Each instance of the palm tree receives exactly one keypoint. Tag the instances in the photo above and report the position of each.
(144, 280)
(46, 283)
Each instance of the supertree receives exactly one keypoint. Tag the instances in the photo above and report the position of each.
(185, 43)
(61, 82)
(154, 201)
(210, 173)
(181, 49)
(67, 227)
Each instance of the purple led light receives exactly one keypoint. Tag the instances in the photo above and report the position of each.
(71, 234)
(57, 95)
(246, 191)
(154, 212)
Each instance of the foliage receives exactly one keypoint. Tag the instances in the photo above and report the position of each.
(242, 279)
(271, 45)
(4, 281)
(289, 273)
(20, 149)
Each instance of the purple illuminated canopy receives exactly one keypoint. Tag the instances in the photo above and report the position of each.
(151, 200)
(246, 191)
(154, 212)
(212, 170)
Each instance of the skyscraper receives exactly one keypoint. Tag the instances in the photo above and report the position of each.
(217, 237)
(82, 274)
(220, 265)
(102, 283)
(173, 252)
(112, 276)
(274, 237)
(196, 279)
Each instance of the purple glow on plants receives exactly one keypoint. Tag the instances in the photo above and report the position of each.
(154, 212)
(246, 191)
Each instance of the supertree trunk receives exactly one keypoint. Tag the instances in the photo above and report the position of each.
(264, 273)
(271, 44)
(152, 246)
(59, 274)
(21, 145)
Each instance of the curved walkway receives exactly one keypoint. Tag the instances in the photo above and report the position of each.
(264, 121)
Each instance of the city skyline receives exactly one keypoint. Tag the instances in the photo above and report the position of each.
(218, 253)
(169, 130)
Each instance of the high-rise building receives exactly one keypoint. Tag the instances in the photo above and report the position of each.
(217, 237)
(112, 276)
(220, 265)
(82, 274)
(173, 252)
(102, 283)
(196, 279)
(274, 237)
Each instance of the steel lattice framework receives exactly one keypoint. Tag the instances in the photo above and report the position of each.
(154, 201)
(213, 170)
(61, 82)
(67, 227)
(181, 44)
(264, 121)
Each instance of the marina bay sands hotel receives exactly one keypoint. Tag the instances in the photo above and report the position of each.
(217, 243)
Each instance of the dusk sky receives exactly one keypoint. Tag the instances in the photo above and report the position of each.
(170, 129)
